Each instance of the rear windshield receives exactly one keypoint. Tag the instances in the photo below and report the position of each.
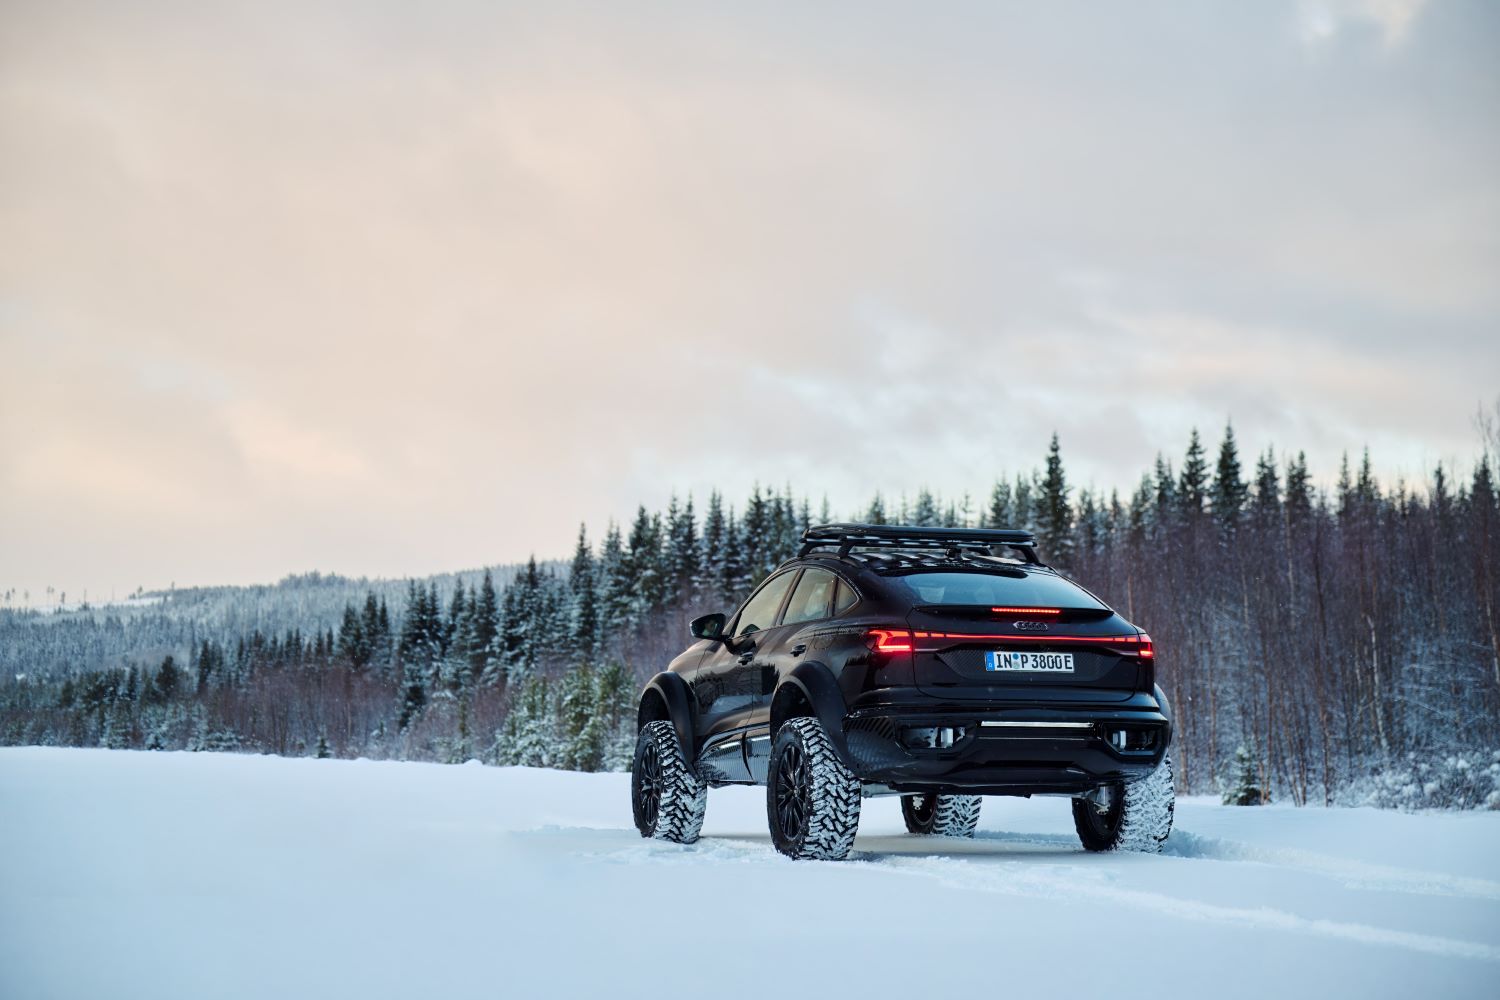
(1041, 590)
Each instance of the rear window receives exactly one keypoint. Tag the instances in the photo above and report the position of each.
(1041, 590)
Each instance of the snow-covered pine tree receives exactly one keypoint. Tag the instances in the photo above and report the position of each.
(1230, 492)
(925, 513)
(1192, 486)
(755, 538)
(875, 513)
(712, 572)
(1055, 515)
(352, 645)
(584, 598)
(1023, 497)
(737, 568)
(1244, 789)
(484, 650)
(617, 584)
(683, 552)
(1299, 493)
(1000, 513)
(527, 737)
(644, 559)
(1165, 491)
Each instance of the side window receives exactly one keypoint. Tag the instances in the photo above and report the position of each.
(760, 613)
(845, 599)
(811, 599)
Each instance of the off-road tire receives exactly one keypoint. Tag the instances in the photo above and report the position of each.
(941, 815)
(1139, 817)
(812, 799)
(666, 794)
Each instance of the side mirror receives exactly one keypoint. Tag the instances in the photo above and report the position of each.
(709, 627)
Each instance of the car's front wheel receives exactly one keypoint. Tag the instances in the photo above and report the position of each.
(941, 815)
(1133, 817)
(666, 794)
(812, 799)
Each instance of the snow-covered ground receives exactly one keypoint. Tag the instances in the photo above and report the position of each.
(201, 875)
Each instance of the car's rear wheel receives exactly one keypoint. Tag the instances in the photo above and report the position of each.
(812, 799)
(941, 815)
(1133, 817)
(666, 794)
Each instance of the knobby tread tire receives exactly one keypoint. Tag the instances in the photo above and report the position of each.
(684, 796)
(1144, 817)
(833, 814)
(952, 816)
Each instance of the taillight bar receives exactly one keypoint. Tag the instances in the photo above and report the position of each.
(1136, 644)
(1026, 611)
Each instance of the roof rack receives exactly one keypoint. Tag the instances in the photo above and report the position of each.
(955, 541)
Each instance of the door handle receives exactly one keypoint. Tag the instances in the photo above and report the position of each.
(799, 649)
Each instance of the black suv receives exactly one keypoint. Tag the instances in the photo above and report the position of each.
(938, 664)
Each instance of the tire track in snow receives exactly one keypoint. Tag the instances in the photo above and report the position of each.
(1030, 880)
(1351, 874)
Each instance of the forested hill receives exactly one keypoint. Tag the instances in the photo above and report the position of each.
(47, 642)
(1312, 641)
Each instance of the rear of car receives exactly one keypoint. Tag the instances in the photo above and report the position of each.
(1020, 682)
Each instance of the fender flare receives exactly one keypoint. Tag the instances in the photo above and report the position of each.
(674, 694)
(814, 684)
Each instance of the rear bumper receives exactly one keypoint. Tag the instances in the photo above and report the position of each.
(1003, 748)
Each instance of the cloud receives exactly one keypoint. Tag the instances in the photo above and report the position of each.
(383, 290)
(1321, 21)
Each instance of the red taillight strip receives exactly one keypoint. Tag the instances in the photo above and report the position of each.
(1026, 611)
(891, 640)
(1141, 643)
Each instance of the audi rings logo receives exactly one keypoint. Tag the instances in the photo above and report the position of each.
(1031, 626)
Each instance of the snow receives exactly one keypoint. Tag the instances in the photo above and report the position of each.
(205, 875)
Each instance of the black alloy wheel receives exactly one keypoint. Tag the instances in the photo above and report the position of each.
(793, 791)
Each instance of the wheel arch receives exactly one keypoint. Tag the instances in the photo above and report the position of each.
(811, 690)
(666, 699)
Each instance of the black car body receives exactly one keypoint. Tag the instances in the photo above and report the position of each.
(936, 660)
(899, 677)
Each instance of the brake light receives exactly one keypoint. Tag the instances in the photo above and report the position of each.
(890, 640)
(1147, 651)
(1026, 611)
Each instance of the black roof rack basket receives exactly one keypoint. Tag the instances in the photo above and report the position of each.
(848, 536)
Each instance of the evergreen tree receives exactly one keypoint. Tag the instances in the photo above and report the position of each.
(1245, 788)
(644, 559)
(1023, 497)
(1265, 502)
(684, 554)
(1001, 513)
(1192, 487)
(755, 537)
(1299, 494)
(736, 563)
(1229, 490)
(1055, 516)
(352, 645)
(618, 584)
(876, 512)
(484, 647)
(1165, 495)
(527, 736)
(585, 600)
(712, 575)
(925, 513)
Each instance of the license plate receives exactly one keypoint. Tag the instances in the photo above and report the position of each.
(1047, 663)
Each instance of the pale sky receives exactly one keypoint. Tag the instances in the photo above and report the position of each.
(393, 288)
